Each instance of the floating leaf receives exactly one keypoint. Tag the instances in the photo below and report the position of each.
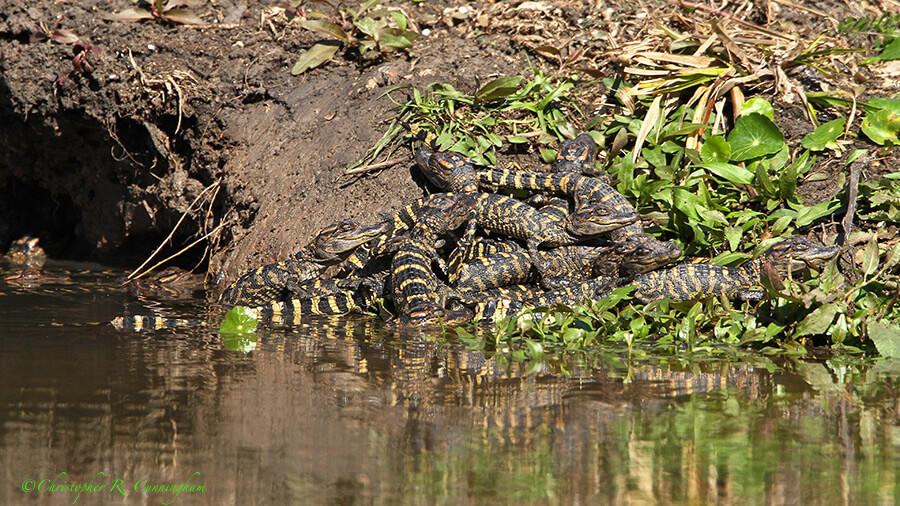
(315, 56)
(754, 135)
(498, 88)
(758, 106)
(715, 149)
(882, 127)
(886, 337)
(733, 173)
(240, 320)
(824, 136)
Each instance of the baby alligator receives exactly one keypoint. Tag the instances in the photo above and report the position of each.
(282, 280)
(690, 281)
(418, 294)
(579, 155)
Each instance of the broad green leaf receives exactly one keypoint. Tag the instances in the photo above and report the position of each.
(870, 256)
(882, 127)
(754, 135)
(369, 27)
(730, 172)
(315, 56)
(764, 183)
(888, 104)
(759, 106)
(548, 155)
(807, 215)
(886, 337)
(891, 52)
(399, 18)
(326, 28)
(733, 235)
(824, 136)
(393, 41)
(818, 321)
(781, 225)
(498, 88)
(240, 320)
(715, 149)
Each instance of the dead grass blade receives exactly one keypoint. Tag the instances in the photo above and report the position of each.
(646, 126)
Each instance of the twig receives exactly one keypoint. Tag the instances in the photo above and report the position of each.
(134, 273)
(189, 246)
(376, 166)
(852, 191)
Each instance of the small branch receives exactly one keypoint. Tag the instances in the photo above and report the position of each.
(134, 273)
(376, 166)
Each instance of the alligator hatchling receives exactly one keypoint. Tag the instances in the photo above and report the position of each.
(497, 242)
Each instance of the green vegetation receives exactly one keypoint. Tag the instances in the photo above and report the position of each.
(368, 31)
(724, 195)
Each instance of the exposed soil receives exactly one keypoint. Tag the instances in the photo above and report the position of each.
(209, 123)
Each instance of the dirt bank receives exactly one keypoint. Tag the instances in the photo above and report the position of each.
(207, 123)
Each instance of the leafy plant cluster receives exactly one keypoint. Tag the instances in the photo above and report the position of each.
(724, 196)
(514, 110)
(367, 30)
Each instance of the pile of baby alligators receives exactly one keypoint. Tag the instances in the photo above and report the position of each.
(475, 254)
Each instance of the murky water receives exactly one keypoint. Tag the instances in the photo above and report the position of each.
(339, 411)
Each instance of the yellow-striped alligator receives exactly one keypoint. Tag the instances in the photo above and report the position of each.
(690, 281)
(282, 280)
(419, 296)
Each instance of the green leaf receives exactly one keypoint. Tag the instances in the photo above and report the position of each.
(807, 215)
(240, 320)
(548, 155)
(754, 135)
(824, 136)
(886, 337)
(764, 183)
(818, 321)
(870, 256)
(888, 104)
(882, 127)
(516, 139)
(325, 28)
(758, 106)
(399, 18)
(369, 27)
(730, 172)
(401, 41)
(183, 17)
(498, 88)
(891, 52)
(315, 56)
(715, 149)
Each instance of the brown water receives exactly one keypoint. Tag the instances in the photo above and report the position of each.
(340, 411)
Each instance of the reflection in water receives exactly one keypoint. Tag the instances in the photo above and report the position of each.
(338, 411)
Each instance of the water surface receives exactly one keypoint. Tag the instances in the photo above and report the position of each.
(341, 411)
